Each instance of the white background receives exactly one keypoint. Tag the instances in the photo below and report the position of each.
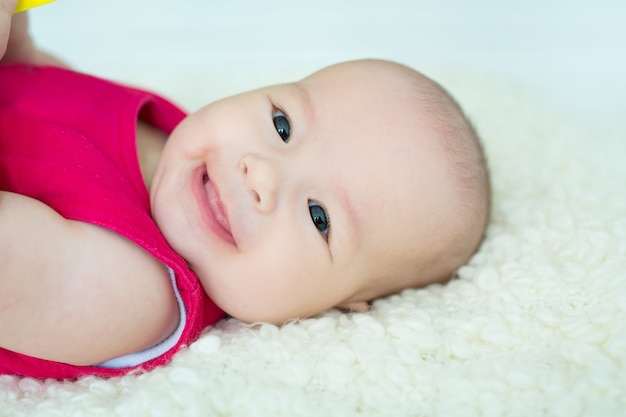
(574, 51)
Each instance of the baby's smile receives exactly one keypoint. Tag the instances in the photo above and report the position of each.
(211, 208)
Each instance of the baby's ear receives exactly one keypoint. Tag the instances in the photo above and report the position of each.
(355, 306)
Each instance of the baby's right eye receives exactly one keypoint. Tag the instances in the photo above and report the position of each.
(281, 123)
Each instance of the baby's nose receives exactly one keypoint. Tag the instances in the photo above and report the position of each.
(261, 178)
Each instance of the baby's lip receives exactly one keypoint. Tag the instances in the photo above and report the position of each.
(212, 209)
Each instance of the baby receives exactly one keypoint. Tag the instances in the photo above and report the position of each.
(356, 182)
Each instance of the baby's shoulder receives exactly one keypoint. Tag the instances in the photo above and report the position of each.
(128, 291)
(92, 294)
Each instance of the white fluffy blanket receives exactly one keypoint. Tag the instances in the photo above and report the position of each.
(534, 325)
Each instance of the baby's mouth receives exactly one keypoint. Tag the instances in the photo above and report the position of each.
(218, 216)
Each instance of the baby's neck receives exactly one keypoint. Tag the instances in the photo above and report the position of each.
(150, 143)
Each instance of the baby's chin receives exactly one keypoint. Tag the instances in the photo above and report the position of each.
(262, 312)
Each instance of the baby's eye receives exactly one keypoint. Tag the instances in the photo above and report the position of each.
(281, 123)
(320, 218)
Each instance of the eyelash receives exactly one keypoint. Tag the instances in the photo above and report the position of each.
(326, 232)
(281, 124)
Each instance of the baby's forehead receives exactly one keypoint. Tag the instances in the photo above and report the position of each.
(368, 69)
(375, 117)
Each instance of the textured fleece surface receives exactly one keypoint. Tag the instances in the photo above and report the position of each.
(534, 325)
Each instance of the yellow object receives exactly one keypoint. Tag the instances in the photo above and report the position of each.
(29, 4)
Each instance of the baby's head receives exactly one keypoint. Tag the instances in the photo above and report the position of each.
(363, 179)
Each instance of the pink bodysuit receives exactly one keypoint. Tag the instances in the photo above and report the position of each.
(68, 140)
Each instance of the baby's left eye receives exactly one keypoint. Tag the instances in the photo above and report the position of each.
(320, 218)
(281, 123)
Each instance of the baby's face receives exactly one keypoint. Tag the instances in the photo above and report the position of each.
(296, 198)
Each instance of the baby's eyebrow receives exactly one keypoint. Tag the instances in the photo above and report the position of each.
(350, 227)
(305, 98)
